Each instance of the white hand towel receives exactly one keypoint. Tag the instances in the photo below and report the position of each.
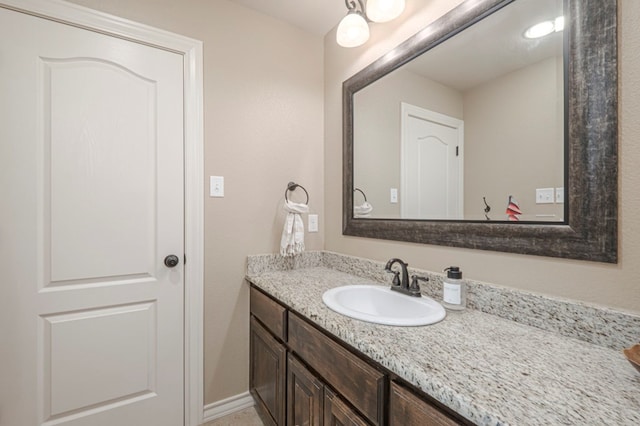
(363, 210)
(292, 241)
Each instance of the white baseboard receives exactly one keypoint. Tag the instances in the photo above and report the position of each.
(227, 406)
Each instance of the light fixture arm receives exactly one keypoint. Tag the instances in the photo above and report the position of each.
(353, 8)
(351, 5)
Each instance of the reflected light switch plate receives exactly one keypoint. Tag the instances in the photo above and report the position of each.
(394, 195)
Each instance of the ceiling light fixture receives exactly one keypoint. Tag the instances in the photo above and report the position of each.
(353, 29)
(545, 28)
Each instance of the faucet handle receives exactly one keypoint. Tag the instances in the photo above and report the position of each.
(396, 278)
(414, 288)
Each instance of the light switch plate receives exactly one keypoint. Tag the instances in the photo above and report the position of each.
(216, 186)
(560, 195)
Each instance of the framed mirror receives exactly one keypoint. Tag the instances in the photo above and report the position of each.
(518, 155)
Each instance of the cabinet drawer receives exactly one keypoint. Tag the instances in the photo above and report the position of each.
(270, 313)
(350, 376)
(408, 409)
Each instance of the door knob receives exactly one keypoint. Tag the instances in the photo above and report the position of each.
(171, 261)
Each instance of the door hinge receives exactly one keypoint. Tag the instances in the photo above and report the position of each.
(457, 150)
(185, 260)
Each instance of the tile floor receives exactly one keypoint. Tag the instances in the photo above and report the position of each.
(246, 417)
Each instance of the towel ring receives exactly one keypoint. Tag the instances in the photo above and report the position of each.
(487, 207)
(362, 192)
(292, 186)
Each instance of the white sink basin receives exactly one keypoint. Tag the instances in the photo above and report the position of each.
(381, 305)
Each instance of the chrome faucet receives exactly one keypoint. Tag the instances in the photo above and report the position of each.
(402, 285)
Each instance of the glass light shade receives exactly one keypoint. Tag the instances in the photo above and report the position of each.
(352, 31)
(384, 10)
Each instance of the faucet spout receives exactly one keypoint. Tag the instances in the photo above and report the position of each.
(404, 283)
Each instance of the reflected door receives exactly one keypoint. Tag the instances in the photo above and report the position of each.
(91, 180)
(431, 165)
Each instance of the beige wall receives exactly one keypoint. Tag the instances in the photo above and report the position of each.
(612, 285)
(263, 110)
(514, 130)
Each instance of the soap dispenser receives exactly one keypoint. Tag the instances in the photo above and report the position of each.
(454, 290)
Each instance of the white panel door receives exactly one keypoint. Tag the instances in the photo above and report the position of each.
(431, 165)
(91, 183)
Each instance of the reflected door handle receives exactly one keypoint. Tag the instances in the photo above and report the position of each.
(171, 261)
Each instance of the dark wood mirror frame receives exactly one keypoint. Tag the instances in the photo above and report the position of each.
(589, 231)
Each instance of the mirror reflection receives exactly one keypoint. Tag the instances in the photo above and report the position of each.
(473, 129)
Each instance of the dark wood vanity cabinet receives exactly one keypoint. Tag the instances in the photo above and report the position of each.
(408, 409)
(357, 381)
(337, 413)
(305, 394)
(310, 402)
(268, 357)
(301, 376)
(267, 379)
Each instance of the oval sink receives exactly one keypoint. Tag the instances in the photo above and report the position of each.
(381, 305)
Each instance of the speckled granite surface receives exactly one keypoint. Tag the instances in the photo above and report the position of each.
(491, 370)
(593, 324)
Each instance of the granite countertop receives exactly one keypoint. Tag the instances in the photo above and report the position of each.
(491, 370)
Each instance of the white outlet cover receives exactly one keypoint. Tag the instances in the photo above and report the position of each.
(544, 196)
(313, 223)
(560, 195)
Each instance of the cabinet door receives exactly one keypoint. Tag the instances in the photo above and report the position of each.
(408, 409)
(268, 374)
(337, 413)
(305, 394)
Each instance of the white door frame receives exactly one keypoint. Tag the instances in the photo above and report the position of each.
(191, 49)
(408, 110)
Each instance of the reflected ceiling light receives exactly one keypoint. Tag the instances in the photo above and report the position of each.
(384, 10)
(545, 28)
(353, 29)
